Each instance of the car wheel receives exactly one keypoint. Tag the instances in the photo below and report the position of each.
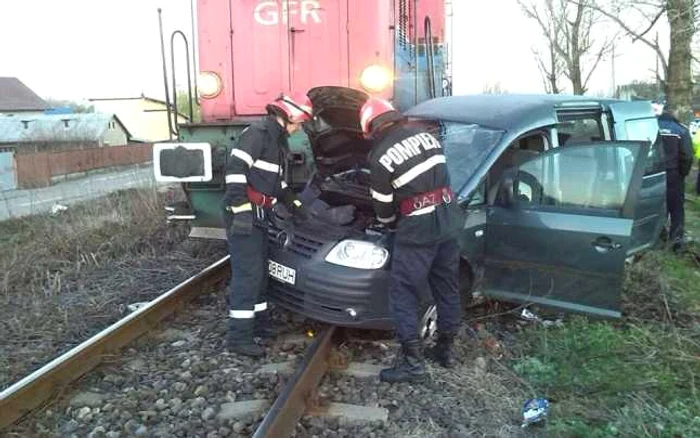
(428, 324)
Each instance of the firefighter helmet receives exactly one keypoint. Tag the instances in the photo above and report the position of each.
(372, 110)
(294, 108)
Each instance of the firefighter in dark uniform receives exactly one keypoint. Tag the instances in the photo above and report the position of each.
(410, 189)
(678, 148)
(254, 183)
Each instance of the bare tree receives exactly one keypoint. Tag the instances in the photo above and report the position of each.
(549, 65)
(568, 26)
(548, 61)
(495, 88)
(676, 65)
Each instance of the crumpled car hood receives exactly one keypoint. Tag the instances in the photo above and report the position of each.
(335, 134)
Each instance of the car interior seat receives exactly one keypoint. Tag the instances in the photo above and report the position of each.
(518, 153)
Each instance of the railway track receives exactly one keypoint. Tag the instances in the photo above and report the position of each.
(53, 378)
(191, 387)
(299, 395)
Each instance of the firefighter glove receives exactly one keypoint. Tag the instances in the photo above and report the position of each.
(300, 212)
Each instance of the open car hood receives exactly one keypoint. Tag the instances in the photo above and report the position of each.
(335, 134)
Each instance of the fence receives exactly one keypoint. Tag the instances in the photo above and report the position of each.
(37, 169)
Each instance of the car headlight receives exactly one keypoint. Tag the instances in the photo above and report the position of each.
(375, 78)
(209, 84)
(358, 254)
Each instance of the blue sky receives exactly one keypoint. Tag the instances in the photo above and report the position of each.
(80, 49)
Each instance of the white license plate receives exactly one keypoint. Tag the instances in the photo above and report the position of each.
(281, 272)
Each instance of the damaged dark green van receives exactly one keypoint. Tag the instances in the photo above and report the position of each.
(558, 191)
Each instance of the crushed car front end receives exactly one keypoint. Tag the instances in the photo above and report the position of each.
(335, 266)
(303, 280)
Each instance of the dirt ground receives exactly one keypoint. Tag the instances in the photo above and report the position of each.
(64, 278)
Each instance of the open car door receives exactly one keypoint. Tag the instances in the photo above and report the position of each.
(559, 231)
(636, 121)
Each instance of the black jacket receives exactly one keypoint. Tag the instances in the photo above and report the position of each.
(678, 145)
(407, 161)
(258, 160)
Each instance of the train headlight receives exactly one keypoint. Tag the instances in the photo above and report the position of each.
(209, 84)
(375, 78)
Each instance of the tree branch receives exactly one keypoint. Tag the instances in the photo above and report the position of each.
(637, 36)
(652, 23)
(604, 50)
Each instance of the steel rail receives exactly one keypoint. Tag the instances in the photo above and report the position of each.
(298, 395)
(32, 391)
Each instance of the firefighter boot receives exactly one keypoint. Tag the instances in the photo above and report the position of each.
(408, 366)
(443, 352)
(264, 327)
(239, 338)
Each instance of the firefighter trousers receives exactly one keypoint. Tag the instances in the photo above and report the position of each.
(413, 268)
(247, 294)
(675, 197)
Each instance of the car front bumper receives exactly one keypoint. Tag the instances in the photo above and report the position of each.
(326, 292)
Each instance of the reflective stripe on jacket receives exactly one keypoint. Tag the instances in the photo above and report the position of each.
(257, 160)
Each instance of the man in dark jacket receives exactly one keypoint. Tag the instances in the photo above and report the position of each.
(254, 183)
(678, 149)
(410, 188)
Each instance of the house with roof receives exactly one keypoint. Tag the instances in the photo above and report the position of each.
(41, 132)
(37, 148)
(17, 99)
(145, 118)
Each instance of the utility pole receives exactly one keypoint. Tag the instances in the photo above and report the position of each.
(614, 87)
(449, 24)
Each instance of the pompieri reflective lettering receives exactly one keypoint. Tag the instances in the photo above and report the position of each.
(407, 148)
(386, 162)
(395, 156)
(413, 144)
(428, 141)
(268, 13)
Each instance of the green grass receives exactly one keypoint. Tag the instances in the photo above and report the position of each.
(638, 377)
(599, 376)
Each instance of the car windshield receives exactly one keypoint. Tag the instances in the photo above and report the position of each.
(466, 147)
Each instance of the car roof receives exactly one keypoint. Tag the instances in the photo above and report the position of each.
(503, 111)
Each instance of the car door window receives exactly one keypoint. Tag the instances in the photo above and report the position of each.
(587, 177)
(577, 130)
(519, 151)
(648, 130)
